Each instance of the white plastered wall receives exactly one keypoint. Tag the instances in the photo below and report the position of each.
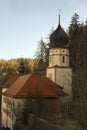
(62, 77)
(51, 73)
(9, 106)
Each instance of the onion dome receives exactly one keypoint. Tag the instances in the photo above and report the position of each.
(59, 37)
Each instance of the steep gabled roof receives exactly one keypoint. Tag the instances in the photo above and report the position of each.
(36, 85)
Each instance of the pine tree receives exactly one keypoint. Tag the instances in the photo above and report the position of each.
(78, 54)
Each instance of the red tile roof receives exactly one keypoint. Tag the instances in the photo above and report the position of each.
(36, 85)
(10, 81)
(39, 87)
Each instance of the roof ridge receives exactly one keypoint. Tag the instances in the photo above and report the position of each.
(29, 76)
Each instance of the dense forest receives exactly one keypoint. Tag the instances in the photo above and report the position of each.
(78, 59)
(77, 33)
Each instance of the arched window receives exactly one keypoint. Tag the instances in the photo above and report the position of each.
(63, 59)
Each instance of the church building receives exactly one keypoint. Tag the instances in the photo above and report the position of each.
(39, 87)
(59, 70)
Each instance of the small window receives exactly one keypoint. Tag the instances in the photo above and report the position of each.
(63, 59)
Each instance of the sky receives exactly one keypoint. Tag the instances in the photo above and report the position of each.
(24, 22)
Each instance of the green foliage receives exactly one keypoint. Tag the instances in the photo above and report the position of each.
(9, 67)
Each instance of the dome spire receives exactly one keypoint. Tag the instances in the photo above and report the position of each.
(58, 38)
(59, 15)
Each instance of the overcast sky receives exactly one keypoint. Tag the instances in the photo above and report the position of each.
(24, 22)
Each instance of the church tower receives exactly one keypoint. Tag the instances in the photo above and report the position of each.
(21, 67)
(59, 70)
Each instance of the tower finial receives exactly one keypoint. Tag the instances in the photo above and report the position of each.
(59, 15)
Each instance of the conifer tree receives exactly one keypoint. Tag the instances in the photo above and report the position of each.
(78, 53)
(41, 56)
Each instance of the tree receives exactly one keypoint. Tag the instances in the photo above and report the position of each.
(78, 59)
(74, 32)
(41, 59)
(74, 26)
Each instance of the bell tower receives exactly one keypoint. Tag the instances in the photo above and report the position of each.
(21, 68)
(59, 70)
